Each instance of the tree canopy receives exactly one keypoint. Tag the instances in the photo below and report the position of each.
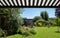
(14, 19)
(36, 18)
(44, 15)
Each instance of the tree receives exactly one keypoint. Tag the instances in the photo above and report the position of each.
(36, 18)
(14, 19)
(44, 15)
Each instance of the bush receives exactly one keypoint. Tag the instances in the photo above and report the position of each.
(32, 31)
(23, 30)
(38, 24)
(26, 31)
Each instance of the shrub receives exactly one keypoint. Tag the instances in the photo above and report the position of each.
(40, 24)
(58, 22)
(26, 31)
(32, 31)
(23, 30)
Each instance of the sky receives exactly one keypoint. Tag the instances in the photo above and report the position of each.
(32, 12)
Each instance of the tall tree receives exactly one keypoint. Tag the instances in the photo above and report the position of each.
(14, 18)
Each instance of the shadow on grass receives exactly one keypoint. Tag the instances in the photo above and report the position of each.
(57, 31)
(27, 33)
(3, 36)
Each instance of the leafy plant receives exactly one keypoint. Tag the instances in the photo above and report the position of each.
(26, 31)
(44, 15)
(36, 18)
(58, 23)
(32, 31)
(13, 20)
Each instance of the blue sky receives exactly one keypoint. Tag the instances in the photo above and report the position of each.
(32, 12)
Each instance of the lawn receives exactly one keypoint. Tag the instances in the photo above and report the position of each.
(41, 32)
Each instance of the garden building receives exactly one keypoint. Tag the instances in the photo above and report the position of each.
(57, 12)
(28, 22)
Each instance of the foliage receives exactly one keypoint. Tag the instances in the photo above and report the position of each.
(5, 10)
(20, 21)
(36, 18)
(52, 21)
(26, 31)
(42, 19)
(23, 30)
(44, 15)
(55, 22)
(32, 31)
(40, 22)
(14, 19)
(58, 22)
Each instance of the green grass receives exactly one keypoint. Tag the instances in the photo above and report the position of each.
(41, 32)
